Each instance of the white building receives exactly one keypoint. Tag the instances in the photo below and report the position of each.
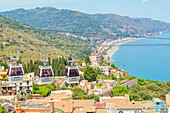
(2, 68)
(105, 69)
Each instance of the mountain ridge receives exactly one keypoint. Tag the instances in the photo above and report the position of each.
(65, 19)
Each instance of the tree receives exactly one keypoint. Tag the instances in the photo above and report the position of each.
(113, 66)
(98, 71)
(119, 90)
(114, 77)
(2, 109)
(87, 59)
(90, 74)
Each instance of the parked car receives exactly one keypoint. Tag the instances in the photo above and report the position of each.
(10, 108)
(21, 99)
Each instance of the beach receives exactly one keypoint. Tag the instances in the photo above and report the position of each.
(112, 50)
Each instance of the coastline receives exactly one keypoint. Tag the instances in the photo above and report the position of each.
(112, 50)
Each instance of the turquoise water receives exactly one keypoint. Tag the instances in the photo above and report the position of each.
(148, 62)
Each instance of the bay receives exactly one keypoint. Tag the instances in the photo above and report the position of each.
(147, 62)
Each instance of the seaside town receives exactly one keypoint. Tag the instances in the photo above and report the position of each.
(84, 56)
(22, 97)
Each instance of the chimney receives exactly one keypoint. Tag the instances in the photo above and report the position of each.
(18, 108)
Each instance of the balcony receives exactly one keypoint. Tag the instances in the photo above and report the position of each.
(4, 91)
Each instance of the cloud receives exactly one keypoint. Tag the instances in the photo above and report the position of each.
(144, 1)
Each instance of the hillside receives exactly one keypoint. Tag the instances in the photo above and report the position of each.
(52, 18)
(14, 31)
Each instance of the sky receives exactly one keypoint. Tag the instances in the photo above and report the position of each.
(155, 9)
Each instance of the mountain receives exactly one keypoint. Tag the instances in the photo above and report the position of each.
(28, 37)
(52, 18)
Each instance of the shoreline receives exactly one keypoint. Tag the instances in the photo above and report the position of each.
(113, 49)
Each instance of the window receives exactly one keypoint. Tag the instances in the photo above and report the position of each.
(74, 73)
(27, 82)
(46, 73)
(16, 71)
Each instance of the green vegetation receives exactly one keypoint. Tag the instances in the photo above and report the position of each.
(87, 60)
(144, 90)
(78, 93)
(2, 109)
(81, 22)
(90, 74)
(98, 84)
(13, 31)
(44, 90)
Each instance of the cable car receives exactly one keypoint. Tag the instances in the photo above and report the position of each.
(45, 73)
(71, 73)
(15, 71)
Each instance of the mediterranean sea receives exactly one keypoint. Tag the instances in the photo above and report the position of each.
(147, 62)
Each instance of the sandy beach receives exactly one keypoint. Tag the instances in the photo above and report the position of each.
(113, 49)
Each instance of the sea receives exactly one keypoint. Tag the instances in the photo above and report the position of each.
(147, 62)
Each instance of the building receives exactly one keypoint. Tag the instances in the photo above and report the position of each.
(86, 86)
(128, 83)
(118, 74)
(84, 105)
(2, 68)
(3, 75)
(24, 88)
(7, 89)
(168, 102)
(121, 99)
(105, 69)
(95, 58)
(129, 107)
(157, 103)
(84, 64)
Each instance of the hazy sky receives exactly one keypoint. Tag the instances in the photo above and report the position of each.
(155, 9)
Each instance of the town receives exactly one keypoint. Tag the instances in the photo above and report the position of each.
(97, 96)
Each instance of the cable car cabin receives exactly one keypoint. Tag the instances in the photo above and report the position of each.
(71, 74)
(15, 73)
(45, 75)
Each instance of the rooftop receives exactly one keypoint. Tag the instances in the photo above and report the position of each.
(129, 105)
(81, 103)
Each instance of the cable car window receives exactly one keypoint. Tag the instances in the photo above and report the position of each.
(74, 73)
(16, 71)
(46, 73)
(66, 72)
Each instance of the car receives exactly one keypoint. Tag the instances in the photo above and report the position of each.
(21, 99)
(10, 108)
